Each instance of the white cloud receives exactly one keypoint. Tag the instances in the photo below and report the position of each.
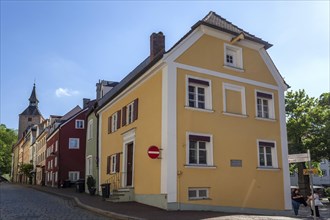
(60, 92)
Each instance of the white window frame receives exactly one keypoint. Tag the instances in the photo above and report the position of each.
(113, 163)
(241, 89)
(89, 165)
(273, 152)
(271, 106)
(207, 93)
(130, 113)
(55, 162)
(80, 124)
(209, 150)
(73, 173)
(56, 177)
(114, 122)
(197, 190)
(74, 147)
(56, 145)
(237, 54)
(90, 129)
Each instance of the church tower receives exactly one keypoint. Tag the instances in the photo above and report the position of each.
(31, 115)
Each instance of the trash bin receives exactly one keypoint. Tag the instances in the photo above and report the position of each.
(80, 185)
(105, 190)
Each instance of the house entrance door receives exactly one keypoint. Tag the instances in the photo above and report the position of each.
(129, 165)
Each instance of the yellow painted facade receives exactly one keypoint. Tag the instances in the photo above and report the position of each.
(245, 162)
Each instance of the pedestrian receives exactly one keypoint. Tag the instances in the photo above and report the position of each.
(297, 200)
(317, 203)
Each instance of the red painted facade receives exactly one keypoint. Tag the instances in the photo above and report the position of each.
(69, 160)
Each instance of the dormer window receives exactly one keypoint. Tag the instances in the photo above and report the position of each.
(233, 57)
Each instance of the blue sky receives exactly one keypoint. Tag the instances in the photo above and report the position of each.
(67, 46)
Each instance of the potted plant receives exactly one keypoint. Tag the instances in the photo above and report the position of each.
(91, 185)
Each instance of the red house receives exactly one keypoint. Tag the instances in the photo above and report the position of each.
(66, 144)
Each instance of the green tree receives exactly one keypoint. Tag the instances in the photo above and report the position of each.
(7, 138)
(308, 128)
(26, 169)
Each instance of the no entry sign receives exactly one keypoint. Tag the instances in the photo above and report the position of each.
(153, 152)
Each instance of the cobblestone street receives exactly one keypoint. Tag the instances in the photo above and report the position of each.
(18, 202)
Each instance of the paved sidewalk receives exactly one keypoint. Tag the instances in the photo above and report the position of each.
(134, 210)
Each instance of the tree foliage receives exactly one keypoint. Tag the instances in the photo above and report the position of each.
(308, 127)
(7, 138)
(26, 169)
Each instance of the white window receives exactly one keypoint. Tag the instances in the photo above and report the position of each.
(56, 177)
(233, 56)
(89, 165)
(90, 130)
(265, 105)
(73, 175)
(56, 146)
(73, 143)
(199, 150)
(114, 122)
(113, 163)
(198, 93)
(79, 124)
(198, 193)
(55, 162)
(234, 99)
(267, 154)
(130, 111)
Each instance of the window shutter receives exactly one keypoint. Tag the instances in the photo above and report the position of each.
(136, 109)
(108, 164)
(266, 144)
(118, 119)
(264, 95)
(199, 138)
(124, 115)
(109, 124)
(117, 162)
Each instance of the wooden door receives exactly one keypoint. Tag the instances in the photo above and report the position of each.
(129, 165)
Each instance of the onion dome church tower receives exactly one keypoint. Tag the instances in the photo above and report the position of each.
(31, 115)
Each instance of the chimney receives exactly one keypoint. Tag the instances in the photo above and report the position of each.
(85, 102)
(157, 44)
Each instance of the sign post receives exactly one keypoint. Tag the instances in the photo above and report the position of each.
(311, 186)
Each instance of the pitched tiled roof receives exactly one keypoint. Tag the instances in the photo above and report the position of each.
(218, 22)
(31, 110)
(131, 77)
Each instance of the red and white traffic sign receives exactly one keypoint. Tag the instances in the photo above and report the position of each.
(153, 152)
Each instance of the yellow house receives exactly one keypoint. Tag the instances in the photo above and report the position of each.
(213, 105)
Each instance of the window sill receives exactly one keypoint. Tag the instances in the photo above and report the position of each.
(193, 166)
(235, 115)
(234, 68)
(199, 109)
(268, 168)
(194, 199)
(266, 119)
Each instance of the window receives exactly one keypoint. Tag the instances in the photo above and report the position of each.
(265, 105)
(79, 124)
(115, 163)
(234, 99)
(108, 164)
(29, 119)
(324, 172)
(73, 175)
(90, 130)
(198, 93)
(55, 162)
(233, 56)
(198, 193)
(73, 143)
(56, 177)
(267, 154)
(130, 112)
(56, 146)
(199, 150)
(89, 165)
